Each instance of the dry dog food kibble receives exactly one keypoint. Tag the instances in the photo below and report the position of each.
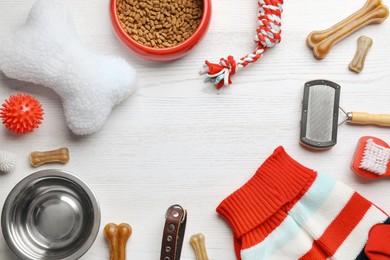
(160, 23)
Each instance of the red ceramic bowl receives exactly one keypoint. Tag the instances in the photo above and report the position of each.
(162, 54)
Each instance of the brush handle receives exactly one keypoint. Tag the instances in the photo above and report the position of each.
(363, 118)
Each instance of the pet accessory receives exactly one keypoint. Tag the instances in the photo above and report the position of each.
(161, 54)
(320, 115)
(60, 155)
(377, 247)
(21, 113)
(47, 51)
(198, 243)
(50, 215)
(7, 161)
(322, 41)
(372, 158)
(117, 236)
(364, 45)
(267, 35)
(287, 211)
(173, 233)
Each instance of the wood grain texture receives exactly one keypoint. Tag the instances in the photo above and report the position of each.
(176, 141)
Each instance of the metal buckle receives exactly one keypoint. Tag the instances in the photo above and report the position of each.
(177, 206)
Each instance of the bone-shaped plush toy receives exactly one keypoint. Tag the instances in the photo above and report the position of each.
(47, 51)
(117, 236)
(322, 41)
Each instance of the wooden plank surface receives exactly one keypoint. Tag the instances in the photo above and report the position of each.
(176, 141)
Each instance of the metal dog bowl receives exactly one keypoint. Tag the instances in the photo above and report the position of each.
(50, 215)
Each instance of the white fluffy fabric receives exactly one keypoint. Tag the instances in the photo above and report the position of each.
(47, 51)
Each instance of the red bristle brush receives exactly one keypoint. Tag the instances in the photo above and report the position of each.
(21, 113)
(372, 158)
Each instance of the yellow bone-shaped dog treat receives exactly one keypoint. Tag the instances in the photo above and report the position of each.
(198, 243)
(60, 155)
(322, 41)
(364, 44)
(117, 236)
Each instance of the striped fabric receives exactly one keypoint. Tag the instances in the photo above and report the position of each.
(287, 211)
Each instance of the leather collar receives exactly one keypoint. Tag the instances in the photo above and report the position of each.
(173, 234)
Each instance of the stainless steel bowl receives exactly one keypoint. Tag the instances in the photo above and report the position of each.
(50, 215)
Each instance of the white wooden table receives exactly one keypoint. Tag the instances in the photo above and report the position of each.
(176, 141)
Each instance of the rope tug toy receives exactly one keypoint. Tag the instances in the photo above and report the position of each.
(267, 35)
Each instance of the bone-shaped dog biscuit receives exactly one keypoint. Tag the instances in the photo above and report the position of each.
(322, 41)
(117, 236)
(364, 44)
(198, 243)
(47, 51)
(60, 155)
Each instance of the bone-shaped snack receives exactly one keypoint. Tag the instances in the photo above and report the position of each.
(117, 236)
(47, 51)
(60, 155)
(364, 44)
(322, 41)
(198, 243)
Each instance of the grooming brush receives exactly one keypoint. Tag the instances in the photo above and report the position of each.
(319, 120)
(320, 115)
(372, 158)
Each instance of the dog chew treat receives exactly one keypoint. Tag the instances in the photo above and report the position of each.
(364, 45)
(60, 155)
(322, 41)
(198, 243)
(117, 236)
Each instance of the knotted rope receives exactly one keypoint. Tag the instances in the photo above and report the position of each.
(267, 35)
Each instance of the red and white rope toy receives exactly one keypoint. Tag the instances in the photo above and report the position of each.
(267, 35)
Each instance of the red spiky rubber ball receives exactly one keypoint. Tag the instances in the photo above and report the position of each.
(21, 113)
